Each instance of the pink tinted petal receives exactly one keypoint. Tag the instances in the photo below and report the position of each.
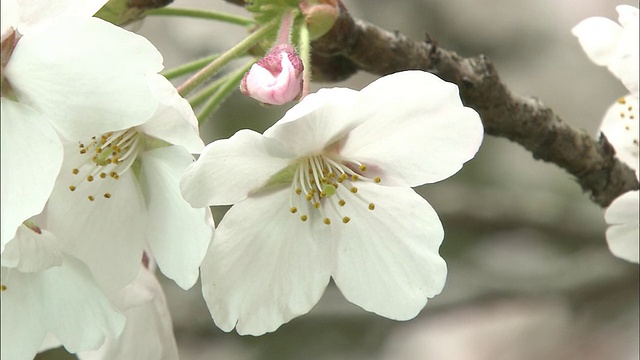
(386, 260)
(275, 89)
(265, 266)
(31, 159)
(229, 169)
(420, 131)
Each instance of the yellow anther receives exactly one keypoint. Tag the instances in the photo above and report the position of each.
(346, 219)
(83, 151)
(341, 202)
(363, 167)
(355, 177)
(3, 287)
(323, 193)
(622, 101)
(377, 179)
(372, 206)
(303, 217)
(354, 189)
(298, 191)
(103, 175)
(113, 174)
(80, 145)
(90, 178)
(316, 205)
(72, 188)
(75, 171)
(99, 150)
(107, 195)
(309, 196)
(293, 209)
(327, 221)
(91, 198)
(622, 115)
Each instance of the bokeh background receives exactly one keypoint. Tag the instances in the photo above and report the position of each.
(530, 275)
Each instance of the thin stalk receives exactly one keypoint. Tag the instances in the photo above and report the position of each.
(231, 54)
(189, 67)
(201, 14)
(305, 55)
(201, 96)
(223, 92)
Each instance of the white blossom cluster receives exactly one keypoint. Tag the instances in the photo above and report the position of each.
(101, 187)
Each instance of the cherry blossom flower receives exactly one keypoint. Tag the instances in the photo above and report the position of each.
(118, 193)
(45, 290)
(62, 73)
(326, 192)
(275, 79)
(616, 46)
(148, 333)
(613, 45)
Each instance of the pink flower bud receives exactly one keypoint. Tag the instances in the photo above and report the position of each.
(275, 79)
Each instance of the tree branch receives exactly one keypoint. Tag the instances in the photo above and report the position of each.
(353, 45)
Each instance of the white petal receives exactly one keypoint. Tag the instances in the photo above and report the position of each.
(599, 38)
(625, 64)
(10, 13)
(178, 234)
(386, 260)
(265, 266)
(108, 234)
(627, 15)
(35, 14)
(623, 232)
(86, 75)
(620, 126)
(317, 121)
(31, 159)
(148, 333)
(420, 131)
(174, 120)
(229, 169)
(31, 251)
(64, 300)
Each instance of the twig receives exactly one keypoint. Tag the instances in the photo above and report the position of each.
(353, 45)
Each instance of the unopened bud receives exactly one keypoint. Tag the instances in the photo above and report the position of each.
(275, 79)
(320, 17)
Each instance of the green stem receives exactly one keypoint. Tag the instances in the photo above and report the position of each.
(305, 55)
(189, 67)
(201, 14)
(231, 54)
(223, 92)
(201, 96)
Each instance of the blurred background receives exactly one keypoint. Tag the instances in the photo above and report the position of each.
(530, 275)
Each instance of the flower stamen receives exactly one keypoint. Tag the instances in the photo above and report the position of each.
(319, 178)
(106, 157)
